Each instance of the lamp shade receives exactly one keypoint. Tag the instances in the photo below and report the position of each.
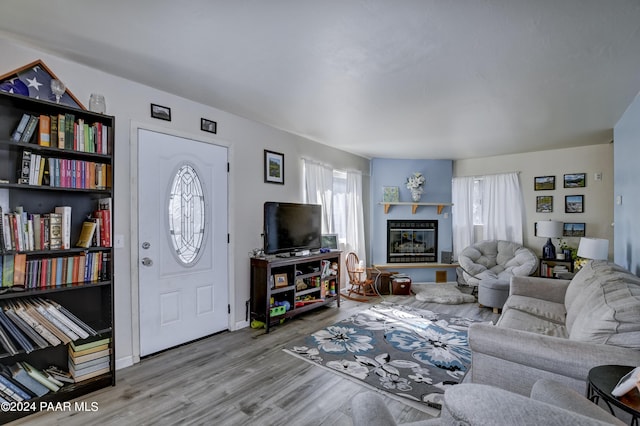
(593, 248)
(549, 229)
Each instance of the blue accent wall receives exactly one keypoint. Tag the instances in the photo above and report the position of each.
(626, 155)
(394, 172)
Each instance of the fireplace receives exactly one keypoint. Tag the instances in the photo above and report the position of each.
(412, 241)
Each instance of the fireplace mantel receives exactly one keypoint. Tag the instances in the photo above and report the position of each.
(414, 206)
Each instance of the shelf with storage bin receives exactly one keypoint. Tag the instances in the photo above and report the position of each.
(414, 206)
(86, 293)
(309, 282)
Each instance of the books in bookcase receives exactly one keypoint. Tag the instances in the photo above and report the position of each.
(89, 359)
(65, 229)
(86, 234)
(16, 136)
(63, 131)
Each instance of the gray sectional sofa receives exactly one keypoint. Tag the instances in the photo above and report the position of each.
(559, 329)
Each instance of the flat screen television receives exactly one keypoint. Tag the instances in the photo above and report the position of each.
(291, 227)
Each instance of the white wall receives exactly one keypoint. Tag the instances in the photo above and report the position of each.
(598, 195)
(129, 103)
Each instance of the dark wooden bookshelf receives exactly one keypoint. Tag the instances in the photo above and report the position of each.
(91, 301)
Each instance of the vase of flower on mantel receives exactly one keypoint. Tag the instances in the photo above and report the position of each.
(415, 184)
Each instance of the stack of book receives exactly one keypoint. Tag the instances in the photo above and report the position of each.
(89, 359)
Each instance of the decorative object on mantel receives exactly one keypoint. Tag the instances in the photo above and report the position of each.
(34, 80)
(415, 184)
(390, 194)
(549, 229)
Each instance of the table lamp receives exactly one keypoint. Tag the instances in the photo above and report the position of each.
(593, 248)
(549, 229)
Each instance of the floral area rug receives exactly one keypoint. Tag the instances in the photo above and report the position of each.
(411, 354)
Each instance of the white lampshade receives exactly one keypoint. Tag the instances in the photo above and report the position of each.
(593, 248)
(549, 228)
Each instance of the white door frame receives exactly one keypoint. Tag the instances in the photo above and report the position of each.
(134, 243)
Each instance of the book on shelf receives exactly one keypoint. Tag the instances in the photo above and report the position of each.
(15, 389)
(65, 214)
(20, 375)
(39, 376)
(25, 167)
(90, 346)
(19, 269)
(44, 131)
(16, 136)
(30, 129)
(53, 130)
(86, 234)
(55, 231)
(7, 270)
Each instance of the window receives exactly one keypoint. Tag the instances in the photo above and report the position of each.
(186, 213)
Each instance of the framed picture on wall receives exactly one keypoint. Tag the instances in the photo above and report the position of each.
(544, 183)
(574, 204)
(544, 204)
(573, 229)
(575, 180)
(273, 167)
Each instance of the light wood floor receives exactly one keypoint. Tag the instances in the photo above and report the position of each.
(240, 378)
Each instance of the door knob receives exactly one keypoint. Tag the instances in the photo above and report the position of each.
(147, 262)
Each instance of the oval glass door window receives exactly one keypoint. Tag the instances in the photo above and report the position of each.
(187, 214)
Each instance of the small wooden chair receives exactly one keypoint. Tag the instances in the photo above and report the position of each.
(360, 281)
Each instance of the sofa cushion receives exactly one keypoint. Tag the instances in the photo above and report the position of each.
(607, 308)
(551, 311)
(523, 321)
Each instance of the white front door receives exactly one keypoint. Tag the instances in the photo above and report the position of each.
(182, 237)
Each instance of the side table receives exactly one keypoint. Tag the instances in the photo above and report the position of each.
(603, 379)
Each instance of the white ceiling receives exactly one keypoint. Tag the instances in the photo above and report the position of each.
(381, 78)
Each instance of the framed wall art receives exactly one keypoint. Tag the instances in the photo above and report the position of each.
(544, 204)
(208, 125)
(543, 183)
(390, 194)
(161, 112)
(575, 180)
(34, 80)
(273, 167)
(573, 229)
(574, 204)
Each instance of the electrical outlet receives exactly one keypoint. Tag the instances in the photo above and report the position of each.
(597, 176)
(119, 241)
(446, 215)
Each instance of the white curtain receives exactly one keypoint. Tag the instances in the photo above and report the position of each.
(355, 216)
(462, 213)
(502, 207)
(318, 182)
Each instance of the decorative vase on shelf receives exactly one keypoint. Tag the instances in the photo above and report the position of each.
(415, 184)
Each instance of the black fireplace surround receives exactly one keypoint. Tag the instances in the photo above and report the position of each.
(412, 241)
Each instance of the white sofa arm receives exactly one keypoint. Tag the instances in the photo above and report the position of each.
(515, 360)
(552, 290)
